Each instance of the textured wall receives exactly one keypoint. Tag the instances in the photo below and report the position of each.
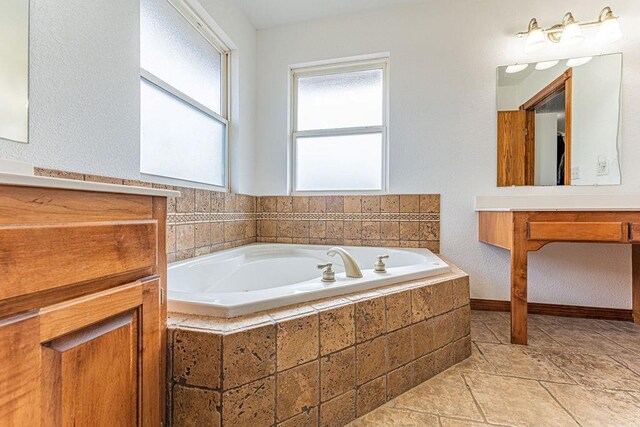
(443, 124)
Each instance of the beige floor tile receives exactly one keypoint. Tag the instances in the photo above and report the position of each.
(520, 361)
(573, 323)
(455, 422)
(630, 361)
(540, 320)
(488, 316)
(594, 407)
(624, 326)
(476, 362)
(481, 333)
(599, 371)
(579, 340)
(628, 339)
(445, 394)
(516, 401)
(537, 338)
(386, 416)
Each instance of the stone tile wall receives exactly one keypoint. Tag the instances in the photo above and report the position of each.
(409, 220)
(323, 363)
(202, 222)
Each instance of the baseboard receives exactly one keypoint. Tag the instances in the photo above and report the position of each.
(557, 310)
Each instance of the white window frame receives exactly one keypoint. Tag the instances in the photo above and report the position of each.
(339, 66)
(205, 30)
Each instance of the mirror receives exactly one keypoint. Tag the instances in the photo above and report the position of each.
(558, 122)
(14, 70)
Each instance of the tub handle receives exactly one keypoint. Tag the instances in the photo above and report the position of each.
(328, 274)
(379, 266)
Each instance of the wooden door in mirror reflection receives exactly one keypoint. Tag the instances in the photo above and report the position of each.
(517, 137)
(512, 148)
(89, 361)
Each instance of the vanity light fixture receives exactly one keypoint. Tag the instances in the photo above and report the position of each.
(576, 62)
(516, 68)
(536, 39)
(569, 31)
(609, 31)
(546, 65)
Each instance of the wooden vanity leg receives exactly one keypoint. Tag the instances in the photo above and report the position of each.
(518, 295)
(635, 286)
(519, 251)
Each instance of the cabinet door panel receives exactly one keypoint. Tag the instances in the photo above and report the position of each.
(19, 370)
(90, 376)
(94, 360)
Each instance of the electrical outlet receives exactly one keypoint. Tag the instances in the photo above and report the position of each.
(603, 168)
(575, 173)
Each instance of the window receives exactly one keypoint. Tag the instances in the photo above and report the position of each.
(183, 95)
(339, 127)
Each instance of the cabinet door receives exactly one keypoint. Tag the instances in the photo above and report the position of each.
(94, 360)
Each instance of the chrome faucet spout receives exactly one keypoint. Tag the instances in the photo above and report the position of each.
(351, 267)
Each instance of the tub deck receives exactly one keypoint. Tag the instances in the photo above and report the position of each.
(329, 360)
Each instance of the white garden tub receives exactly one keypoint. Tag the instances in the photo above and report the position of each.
(259, 277)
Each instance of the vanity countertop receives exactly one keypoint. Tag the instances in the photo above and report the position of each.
(25, 180)
(559, 202)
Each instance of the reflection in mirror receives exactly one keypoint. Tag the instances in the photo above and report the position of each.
(14, 69)
(558, 122)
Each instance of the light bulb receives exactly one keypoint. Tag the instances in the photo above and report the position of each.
(609, 31)
(546, 65)
(535, 40)
(512, 69)
(571, 34)
(576, 62)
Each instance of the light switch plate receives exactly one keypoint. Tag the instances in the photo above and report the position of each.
(575, 172)
(603, 168)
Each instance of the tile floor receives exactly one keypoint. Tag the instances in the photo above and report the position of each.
(574, 372)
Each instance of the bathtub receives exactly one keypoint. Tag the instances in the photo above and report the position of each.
(260, 277)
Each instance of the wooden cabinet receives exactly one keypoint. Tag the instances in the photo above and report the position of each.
(522, 232)
(82, 316)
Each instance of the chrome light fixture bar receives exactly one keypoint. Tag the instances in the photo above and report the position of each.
(569, 31)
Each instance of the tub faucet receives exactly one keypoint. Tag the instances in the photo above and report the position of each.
(350, 265)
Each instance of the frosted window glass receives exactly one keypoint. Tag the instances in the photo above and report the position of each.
(340, 100)
(349, 162)
(179, 141)
(175, 52)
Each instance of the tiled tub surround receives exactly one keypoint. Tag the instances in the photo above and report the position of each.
(323, 363)
(392, 220)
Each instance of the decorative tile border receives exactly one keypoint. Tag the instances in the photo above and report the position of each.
(361, 216)
(198, 217)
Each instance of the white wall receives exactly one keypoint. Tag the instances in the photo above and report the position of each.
(84, 88)
(546, 169)
(443, 124)
(595, 119)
